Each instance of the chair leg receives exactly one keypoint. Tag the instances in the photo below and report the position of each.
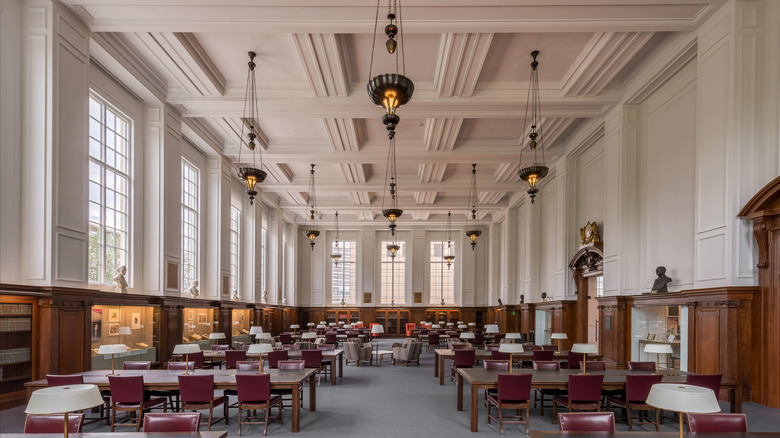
(211, 414)
(500, 418)
(555, 411)
(628, 417)
(239, 418)
(527, 414)
(265, 426)
(138, 420)
(227, 411)
(113, 418)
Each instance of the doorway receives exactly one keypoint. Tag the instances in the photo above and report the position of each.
(596, 289)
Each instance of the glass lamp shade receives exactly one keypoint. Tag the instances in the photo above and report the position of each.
(332, 324)
(309, 324)
(217, 336)
(61, 399)
(359, 322)
(377, 329)
(450, 324)
(390, 91)
(251, 176)
(323, 322)
(435, 326)
(462, 326)
(472, 324)
(682, 398)
(422, 322)
(186, 349)
(511, 348)
(255, 330)
(449, 258)
(559, 336)
(585, 348)
(491, 328)
(532, 175)
(473, 234)
(461, 322)
(658, 348)
(321, 326)
(513, 336)
(311, 234)
(259, 349)
(112, 349)
(347, 326)
(309, 335)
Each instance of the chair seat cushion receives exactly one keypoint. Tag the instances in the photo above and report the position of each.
(261, 404)
(512, 404)
(205, 405)
(564, 400)
(147, 403)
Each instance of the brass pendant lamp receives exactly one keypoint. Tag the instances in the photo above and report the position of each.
(311, 231)
(250, 174)
(536, 171)
(449, 253)
(473, 224)
(336, 254)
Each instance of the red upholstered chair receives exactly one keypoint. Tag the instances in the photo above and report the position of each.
(547, 365)
(637, 389)
(514, 392)
(539, 395)
(584, 393)
(179, 422)
(57, 380)
(313, 360)
(290, 347)
(594, 365)
(286, 338)
(498, 337)
(499, 365)
(574, 359)
(433, 341)
(478, 341)
(497, 355)
(137, 365)
(197, 358)
(233, 356)
(248, 365)
(326, 363)
(463, 359)
(183, 366)
(641, 366)
(543, 355)
(53, 423)
(711, 381)
(127, 394)
(275, 356)
(197, 393)
(716, 423)
(290, 365)
(331, 338)
(409, 327)
(528, 347)
(586, 421)
(105, 408)
(254, 392)
(549, 347)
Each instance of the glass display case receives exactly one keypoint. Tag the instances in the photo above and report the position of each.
(197, 324)
(660, 325)
(137, 327)
(240, 320)
(543, 327)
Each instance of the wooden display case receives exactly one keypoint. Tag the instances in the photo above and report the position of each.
(17, 331)
(137, 327)
(394, 321)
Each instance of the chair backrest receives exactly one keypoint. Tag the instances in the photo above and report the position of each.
(291, 347)
(292, 364)
(137, 365)
(433, 338)
(464, 358)
(248, 365)
(57, 380)
(233, 356)
(498, 337)
(586, 421)
(711, 381)
(253, 387)
(330, 338)
(704, 423)
(197, 358)
(549, 347)
(528, 347)
(595, 365)
(543, 355)
(197, 388)
(245, 347)
(286, 338)
(275, 356)
(126, 389)
(53, 423)
(547, 365)
(585, 387)
(313, 358)
(181, 365)
(492, 347)
(501, 365)
(326, 347)
(352, 335)
(459, 346)
(575, 359)
(641, 366)
(497, 355)
(158, 422)
(638, 386)
(514, 387)
(478, 339)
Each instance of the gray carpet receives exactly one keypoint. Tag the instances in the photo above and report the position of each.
(390, 401)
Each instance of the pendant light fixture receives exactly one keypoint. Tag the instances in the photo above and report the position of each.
(392, 251)
(251, 174)
(474, 232)
(311, 231)
(390, 90)
(536, 171)
(336, 254)
(449, 253)
(392, 213)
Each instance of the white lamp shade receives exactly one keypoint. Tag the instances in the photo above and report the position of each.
(309, 335)
(309, 324)
(61, 399)
(359, 322)
(491, 328)
(186, 349)
(376, 329)
(294, 326)
(435, 326)
(323, 322)
(441, 322)
(462, 326)
(472, 324)
(559, 336)
(216, 336)
(348, 326)
(450, 324)
(585, 348)
(422, 322)
(460, 322)
(263, 336)
(658, 348)
(255, 330)
(467, 335)
(321, 326)
(112, 349)
(259, 348)
(513, 336)
(125, 331)
(333, 324)
(682, 398)
(511, 348)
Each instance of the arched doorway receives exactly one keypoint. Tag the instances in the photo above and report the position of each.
(587, 270)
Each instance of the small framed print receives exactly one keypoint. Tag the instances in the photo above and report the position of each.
(418, 298)
(113, 329)
(202, 318)
(225, 285)
(113, 315)
(97, 331)
(172, 276)
(135, 321)
(366, 297)
(190, 314)
(670, 339)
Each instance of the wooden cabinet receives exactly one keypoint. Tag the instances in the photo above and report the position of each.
(446, 315)
(348, 316)
(394, 321)
(16, 346)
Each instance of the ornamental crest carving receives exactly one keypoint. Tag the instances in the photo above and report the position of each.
(589, 234)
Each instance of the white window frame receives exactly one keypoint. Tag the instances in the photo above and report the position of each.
(389, 291)
(439, 273)
(190, 224)
(263, 258)
(346, 268)
(235, 248)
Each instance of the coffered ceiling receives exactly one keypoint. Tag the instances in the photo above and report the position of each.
(469, 61)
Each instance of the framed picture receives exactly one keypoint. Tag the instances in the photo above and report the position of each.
(172, 276)
(650, 336)
(418, 298)
(366, 297)
(113, 315)
(113, 330)
(202, 318)
(97, 330)
(225, 285)
(97, 314)
(190, 314)
(135, 321)
(670, 339)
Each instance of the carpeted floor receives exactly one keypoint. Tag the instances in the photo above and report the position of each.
(390, 401)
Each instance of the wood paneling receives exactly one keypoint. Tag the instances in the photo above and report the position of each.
(708, 353)
(614, 321)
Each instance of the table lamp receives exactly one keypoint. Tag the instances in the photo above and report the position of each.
(216, 337)
(71, 397)
(450, 324)
(260, 349)
(323, 323)
(422, 322)
(467, 336)
(511, 349)
(441, 323)
(658, 349)
(186, 350)
(309, 325)
(307, 337)
(472, 325)
(376, 330)
(460, 322)
(253, 331)
(558, 337)
(264, 337)
(435, 326)
(513, 336)
(321, 326)
(112, 349)
(347, 327)
(584, 349)
(491, 329)
(462, 326)
(294, 327)
(683, 399)
(359, 323)
(332, 324)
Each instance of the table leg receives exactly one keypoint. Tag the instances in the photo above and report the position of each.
(341, 365)
(332, 372)
(735, 399)
(441, 371)
(459, 384)
(296, 408)
(435, 364)
(474, 406)
(312, 393)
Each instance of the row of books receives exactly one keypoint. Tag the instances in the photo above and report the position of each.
(15, 309)
(14, 355)
(15, 324)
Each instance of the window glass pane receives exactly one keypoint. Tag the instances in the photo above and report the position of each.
(189, 224)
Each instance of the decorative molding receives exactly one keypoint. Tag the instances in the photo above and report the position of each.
(441, 134)
(431, 172)
(323, 62)
(361, 198)
(342, 133)
(355, 173)
(420, 215)
(118, 50)
(425, 198)
(507, 172)
(460, 62)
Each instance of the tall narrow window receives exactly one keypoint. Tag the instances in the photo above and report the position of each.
(109, 190)
(392, 274)
(235, 227)
(282, 284)
(343, 280)
(263, 233)
(442, 277)
(600, 286)
(190, 224)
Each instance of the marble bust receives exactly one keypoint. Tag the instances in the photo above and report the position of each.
(193, 290)
(121, 283)
(660, 283)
